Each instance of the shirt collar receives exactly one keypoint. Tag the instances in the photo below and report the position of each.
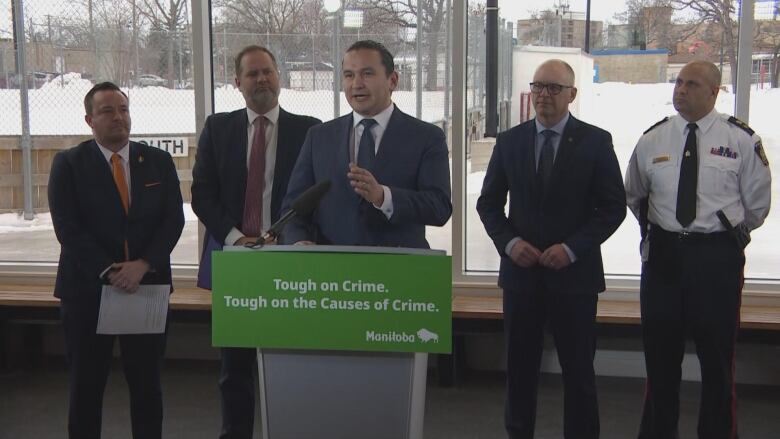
(703, 124)
(107, 153)
(558, 127)
(382, 118)
(272, 115)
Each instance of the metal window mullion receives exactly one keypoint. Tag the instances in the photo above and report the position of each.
(744, 60)
(458, 138)
(203, 74)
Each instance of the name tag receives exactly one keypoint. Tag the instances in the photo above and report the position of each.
(661, 159)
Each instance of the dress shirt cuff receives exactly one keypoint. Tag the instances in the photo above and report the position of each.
(233, 236)
(510, 244)
(572, 256)
(387, 204)
(105, 272)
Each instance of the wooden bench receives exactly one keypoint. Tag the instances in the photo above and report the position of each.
(470, 314)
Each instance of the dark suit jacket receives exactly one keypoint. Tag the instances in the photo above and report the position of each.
(584, 204)
(412, 160)
(220, 171)
(92, 226)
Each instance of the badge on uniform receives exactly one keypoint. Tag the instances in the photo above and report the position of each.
(724, 151)
(759, 148)
(661, 159)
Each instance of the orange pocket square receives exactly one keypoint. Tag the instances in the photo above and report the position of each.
(154, 183)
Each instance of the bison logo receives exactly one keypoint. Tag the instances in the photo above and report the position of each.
(426, 336)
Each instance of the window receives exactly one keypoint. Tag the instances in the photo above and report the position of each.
(309, 41)
(66, 52)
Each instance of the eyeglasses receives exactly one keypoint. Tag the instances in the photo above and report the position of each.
(553, 89)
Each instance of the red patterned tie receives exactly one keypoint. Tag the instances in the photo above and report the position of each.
(255, 182)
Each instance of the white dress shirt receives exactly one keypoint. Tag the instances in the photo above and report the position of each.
(124, 153)
(271, 140)
(732, 175)
(377, 130)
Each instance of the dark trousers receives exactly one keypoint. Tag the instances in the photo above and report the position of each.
(691, 285)
(89, 360)
(572, 321)
(237, 386)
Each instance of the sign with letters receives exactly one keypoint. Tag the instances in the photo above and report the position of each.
(175, 146)
(328, 300)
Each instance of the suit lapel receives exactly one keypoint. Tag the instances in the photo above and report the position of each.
(527, 158)
(391, 136)
(569, 140)
(344, 132)
(283, 134)
(137, 177)
(237, 150)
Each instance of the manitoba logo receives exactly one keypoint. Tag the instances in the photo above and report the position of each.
(425, 336)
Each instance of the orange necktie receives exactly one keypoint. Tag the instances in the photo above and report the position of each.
(121, 186)
(120, 180)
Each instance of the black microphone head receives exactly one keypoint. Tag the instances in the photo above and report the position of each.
(307, 201)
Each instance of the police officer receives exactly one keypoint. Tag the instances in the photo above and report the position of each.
(704, 181)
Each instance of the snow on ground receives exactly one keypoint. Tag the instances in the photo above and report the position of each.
(626, 110)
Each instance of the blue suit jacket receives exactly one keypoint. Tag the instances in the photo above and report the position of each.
(92, 226)
(220, 172)
(584, 204)
(412, 160)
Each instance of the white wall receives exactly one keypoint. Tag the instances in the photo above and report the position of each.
(525, 60)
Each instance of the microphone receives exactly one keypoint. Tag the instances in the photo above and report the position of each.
(301, 206)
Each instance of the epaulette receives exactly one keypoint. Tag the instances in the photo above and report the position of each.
(733, 120)
(656, 124)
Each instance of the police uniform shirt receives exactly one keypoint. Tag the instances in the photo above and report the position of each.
(733, 173)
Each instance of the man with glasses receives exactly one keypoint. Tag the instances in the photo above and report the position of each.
(699, 182)
(567, 198)
(239, 179)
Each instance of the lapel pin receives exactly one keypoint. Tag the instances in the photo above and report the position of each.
(687, 153)
(140, 159)
(570, 139)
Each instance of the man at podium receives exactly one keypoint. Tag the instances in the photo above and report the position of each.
(389, 172)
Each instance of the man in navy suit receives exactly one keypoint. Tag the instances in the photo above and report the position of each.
(566, 198)
(116, 206)
(240, 176)
(389, 172)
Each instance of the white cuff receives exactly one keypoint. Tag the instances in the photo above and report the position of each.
(233, 236)
(387, 204)
(510, 244)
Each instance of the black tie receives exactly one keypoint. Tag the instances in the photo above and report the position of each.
(689, 174)
(546, 158)
(366, 148)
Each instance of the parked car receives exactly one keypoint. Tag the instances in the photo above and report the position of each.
(151, 81)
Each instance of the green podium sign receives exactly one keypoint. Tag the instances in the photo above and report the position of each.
(316, 299)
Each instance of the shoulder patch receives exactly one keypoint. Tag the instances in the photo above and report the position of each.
(742, 125)
(656, 124)
(759, 149)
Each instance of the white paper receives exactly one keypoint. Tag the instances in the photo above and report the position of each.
(142, 312)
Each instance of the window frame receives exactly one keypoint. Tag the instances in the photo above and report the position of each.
(463, 281)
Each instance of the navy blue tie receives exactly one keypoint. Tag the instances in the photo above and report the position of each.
(546, 158)
(367, 147)
(689, 175)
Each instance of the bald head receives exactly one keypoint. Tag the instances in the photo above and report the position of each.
(559, 66)
(707, 71)
(696, 90)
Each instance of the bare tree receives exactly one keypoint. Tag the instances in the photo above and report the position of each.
(403, 13)
(650, 23)
(290, 22)
(715, 19)
(168, 18)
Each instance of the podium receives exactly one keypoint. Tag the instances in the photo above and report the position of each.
(343, 334)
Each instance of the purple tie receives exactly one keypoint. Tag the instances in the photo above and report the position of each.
(255, 182)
